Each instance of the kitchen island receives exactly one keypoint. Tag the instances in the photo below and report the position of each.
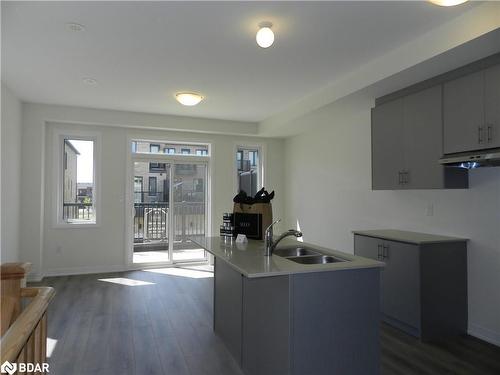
(278, 317)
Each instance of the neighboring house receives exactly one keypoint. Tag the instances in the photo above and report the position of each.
(85, 191)
(151, 179)
(70, 172)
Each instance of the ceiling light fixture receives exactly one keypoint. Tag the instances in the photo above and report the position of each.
(89, 81)
(76, 27)
(448, 3)
(188, 98)
(265, 36)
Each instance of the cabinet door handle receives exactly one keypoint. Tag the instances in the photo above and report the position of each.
(479, 134)
(407, 178)
(490, 133)
(380, 251)
(400, 175)
(385, 253)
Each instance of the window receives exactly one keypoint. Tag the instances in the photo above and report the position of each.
(248, 172)
(185, 151)
(198, 185)
(169, 150)
(77, 186)
(252, 155)
(201, 152)
(152, 186)
(154, 149)
(134, 147)
(138, 193)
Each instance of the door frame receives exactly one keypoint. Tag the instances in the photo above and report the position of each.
(129, 195)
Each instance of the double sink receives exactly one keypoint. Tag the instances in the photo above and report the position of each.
(306, 255)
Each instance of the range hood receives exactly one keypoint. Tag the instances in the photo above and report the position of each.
(475, 159)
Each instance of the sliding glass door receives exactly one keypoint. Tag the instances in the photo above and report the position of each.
(169, 208)
(189, 202)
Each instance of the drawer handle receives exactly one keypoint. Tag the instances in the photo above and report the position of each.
(490, 133)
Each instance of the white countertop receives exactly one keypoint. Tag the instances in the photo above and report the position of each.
(249, 259)
(409, 237)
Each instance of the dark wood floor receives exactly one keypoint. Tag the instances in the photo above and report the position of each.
(165, 327)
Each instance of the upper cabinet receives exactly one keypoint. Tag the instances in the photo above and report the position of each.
(471, 107)
(492, 106)
(407, 144)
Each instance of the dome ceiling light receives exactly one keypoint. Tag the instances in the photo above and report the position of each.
(265, 36)
(448, 3)
(188, 98)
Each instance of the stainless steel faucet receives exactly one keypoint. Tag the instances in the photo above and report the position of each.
(271, 244)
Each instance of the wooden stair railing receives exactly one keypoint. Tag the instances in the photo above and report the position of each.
(24, 331)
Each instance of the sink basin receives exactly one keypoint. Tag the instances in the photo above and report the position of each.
(317, 259)
(287, 252)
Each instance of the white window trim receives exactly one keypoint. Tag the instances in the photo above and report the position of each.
(58, 155)
(262, 178)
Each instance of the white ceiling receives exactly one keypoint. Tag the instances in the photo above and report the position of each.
(142, 53)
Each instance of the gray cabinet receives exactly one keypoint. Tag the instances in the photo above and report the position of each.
(228, 287)
(387, 148)
(471, 111)
(492, 106)
(308, 323)
(407, 144)
(463, 113)
(423, 286)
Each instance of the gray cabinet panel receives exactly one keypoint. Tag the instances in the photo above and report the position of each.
(463, 113)
(423, 139)
(368, 247)
(401, 283)
(492, 106)
(423, 287)
(266, 328)
(387, 145)
(227, 321)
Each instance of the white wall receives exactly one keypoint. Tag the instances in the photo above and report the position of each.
(328, 191)
(10, 164)
(62, 251)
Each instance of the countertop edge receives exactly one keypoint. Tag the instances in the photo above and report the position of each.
(368, 233)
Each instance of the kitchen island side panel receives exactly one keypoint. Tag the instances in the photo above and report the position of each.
(335, 323)
(266, 326)
(228, 300)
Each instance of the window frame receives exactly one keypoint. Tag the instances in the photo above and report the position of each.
(186, 153)
(58, 139)
(261, 176)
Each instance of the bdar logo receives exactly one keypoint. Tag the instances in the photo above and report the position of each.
(8, 368)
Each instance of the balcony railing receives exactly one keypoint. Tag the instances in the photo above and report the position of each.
(78, 211)
(151, 221)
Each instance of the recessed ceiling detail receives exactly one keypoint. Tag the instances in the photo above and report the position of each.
(144, 53)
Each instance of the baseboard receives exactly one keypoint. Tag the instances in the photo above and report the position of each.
(484, 334)
(103, 269)
(84, 270)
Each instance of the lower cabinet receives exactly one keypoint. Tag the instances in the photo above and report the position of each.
(319, 323)
(423, 287)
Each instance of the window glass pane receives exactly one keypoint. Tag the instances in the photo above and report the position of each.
(168, 148)
(248, 174)
(78, 181)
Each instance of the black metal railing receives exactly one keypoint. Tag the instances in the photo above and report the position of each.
(151, 221)
(78, 211)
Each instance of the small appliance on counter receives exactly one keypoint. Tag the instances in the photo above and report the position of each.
(227, 227)
(252, 215)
